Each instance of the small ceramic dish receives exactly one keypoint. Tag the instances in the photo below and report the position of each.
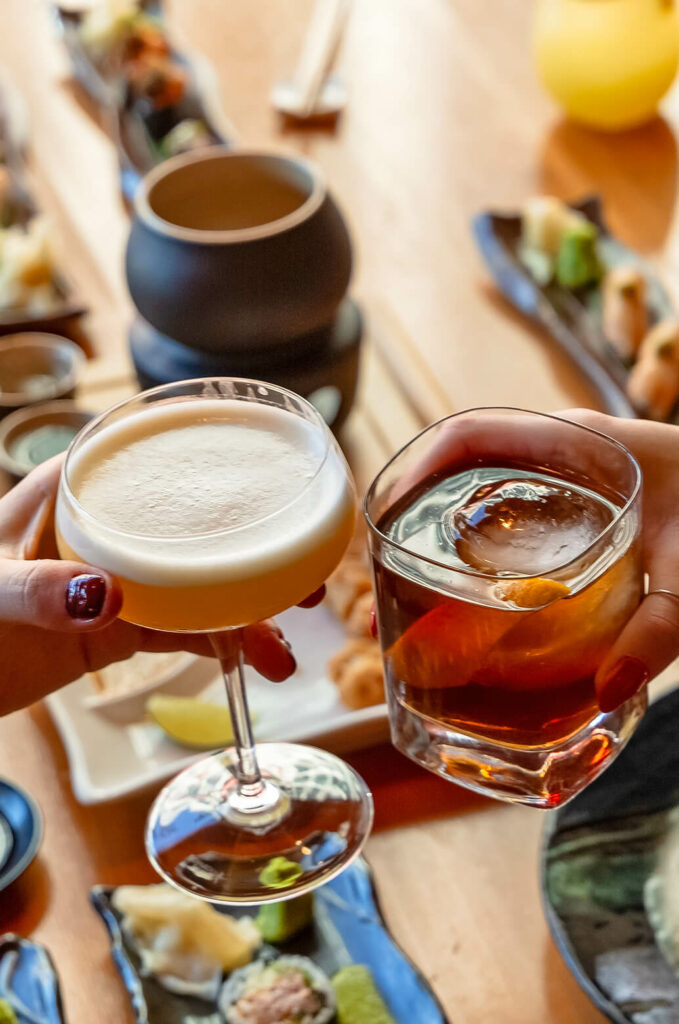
(32, 435)
(36, 368)
(21, 818)
(183, 675)
(29, 982)
(61, 317)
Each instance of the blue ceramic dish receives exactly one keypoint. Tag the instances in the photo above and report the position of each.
(347, 928)
(29, 983)
(20, 832)
(598, 852)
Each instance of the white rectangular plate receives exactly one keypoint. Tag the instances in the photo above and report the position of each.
(108, 761)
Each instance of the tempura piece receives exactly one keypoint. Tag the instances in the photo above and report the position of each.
(653, 383)
(183, 941)
(27, 268)
(106, 25)
(357, 672)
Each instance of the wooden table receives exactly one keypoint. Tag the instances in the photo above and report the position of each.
(445, 118)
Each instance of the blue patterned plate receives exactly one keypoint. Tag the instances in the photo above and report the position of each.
(347, 928)
(599, 851)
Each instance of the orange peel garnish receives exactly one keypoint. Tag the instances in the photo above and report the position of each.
(533, 593)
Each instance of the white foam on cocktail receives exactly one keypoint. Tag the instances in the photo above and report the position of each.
(203, 491)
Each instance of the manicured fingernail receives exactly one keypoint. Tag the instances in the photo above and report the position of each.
(85, 596)
(293, 660)
(626, 677)
(373, 623)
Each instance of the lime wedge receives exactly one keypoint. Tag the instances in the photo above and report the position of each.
(192, 723)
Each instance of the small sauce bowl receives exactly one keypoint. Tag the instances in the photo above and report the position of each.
(33, 435)
(37, 367)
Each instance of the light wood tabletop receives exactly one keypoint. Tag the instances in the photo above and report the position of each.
(444, 118)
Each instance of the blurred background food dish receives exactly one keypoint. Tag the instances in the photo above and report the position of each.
(599, 301)
(36, 368)
(155, 100)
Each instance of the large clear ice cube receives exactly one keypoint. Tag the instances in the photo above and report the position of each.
(525, 526)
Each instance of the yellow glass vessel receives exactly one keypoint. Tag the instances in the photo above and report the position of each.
(608, 63)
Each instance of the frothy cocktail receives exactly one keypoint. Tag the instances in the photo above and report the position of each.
(211, 513)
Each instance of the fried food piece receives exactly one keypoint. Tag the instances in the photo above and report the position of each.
(349, 582)
(358, 619)
(357, 672)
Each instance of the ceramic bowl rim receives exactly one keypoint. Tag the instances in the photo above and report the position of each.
(225, 236)
(51, 342)
(24, 415)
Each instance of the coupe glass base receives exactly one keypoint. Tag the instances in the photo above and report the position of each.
(542, 777)
(199, 838)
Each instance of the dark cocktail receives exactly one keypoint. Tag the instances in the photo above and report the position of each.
(506, 560)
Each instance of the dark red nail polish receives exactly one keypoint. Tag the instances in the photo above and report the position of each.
(373, 623)
(293, 659)
(85, 596)
(626, 677)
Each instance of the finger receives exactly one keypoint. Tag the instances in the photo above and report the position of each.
(25, 511)
(313, 599)
(267, 650)
(647, 645)
(464, 439)
(64, 596)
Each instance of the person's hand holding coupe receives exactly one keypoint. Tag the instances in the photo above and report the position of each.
(58, 619)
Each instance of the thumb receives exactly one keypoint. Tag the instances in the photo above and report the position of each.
(647, 644)
(64, 596)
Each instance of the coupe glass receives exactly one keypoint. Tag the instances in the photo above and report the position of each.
(506, 558)
(217, 503)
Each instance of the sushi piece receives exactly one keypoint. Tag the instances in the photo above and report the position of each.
(358, 1001)
(625, 319)
(653, 383)
(290, 990)
(577, 262)
(543, 222)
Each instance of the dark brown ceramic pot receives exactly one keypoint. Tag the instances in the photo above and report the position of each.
(237, 250)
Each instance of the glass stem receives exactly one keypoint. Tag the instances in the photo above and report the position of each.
(229, 649)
